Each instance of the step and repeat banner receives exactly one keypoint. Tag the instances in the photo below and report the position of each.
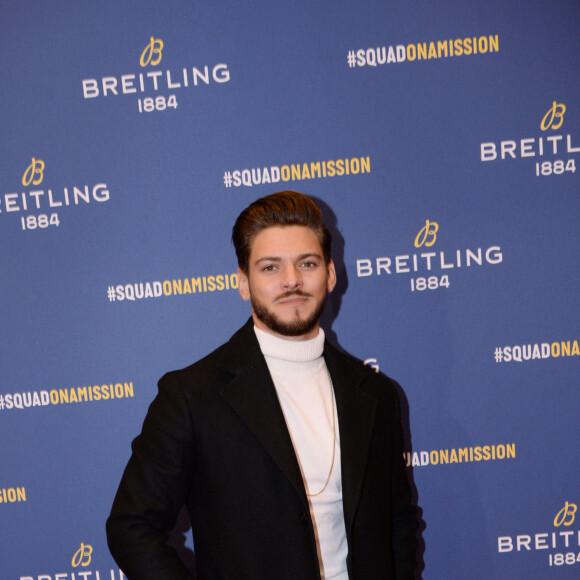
(441, 139)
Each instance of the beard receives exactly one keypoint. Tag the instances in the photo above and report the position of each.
(296, 327)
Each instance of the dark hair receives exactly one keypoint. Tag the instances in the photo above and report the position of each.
(286, 208)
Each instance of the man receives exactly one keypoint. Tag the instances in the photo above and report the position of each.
(287, 453)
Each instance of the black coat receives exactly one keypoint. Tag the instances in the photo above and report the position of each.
(215, 439)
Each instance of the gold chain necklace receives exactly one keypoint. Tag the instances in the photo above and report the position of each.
(333, 438)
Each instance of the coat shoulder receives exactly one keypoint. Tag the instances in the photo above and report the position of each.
(374, 381)
(216, 368)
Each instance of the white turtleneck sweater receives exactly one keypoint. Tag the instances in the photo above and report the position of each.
(305, 393)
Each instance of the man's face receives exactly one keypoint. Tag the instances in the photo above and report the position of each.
(287, 281)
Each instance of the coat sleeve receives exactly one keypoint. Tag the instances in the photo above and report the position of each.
(153, 490)
(405, 515)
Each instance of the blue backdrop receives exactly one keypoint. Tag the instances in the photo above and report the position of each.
(442, 140)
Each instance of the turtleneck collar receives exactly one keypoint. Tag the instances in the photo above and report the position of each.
(290, 350)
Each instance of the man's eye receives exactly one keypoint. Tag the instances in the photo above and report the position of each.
(268, 268)
(309, 264)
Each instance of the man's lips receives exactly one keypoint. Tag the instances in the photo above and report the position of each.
(293, 298)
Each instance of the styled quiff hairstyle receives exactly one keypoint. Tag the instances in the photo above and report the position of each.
(286, 208)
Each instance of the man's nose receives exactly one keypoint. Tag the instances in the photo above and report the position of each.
(292, 278)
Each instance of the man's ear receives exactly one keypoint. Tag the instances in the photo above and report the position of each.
(330, 276)
(243, 285)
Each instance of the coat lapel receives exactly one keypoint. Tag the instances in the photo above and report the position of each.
(356, 415)
(252, 395)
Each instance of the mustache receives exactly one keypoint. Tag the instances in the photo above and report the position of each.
(291, 293)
